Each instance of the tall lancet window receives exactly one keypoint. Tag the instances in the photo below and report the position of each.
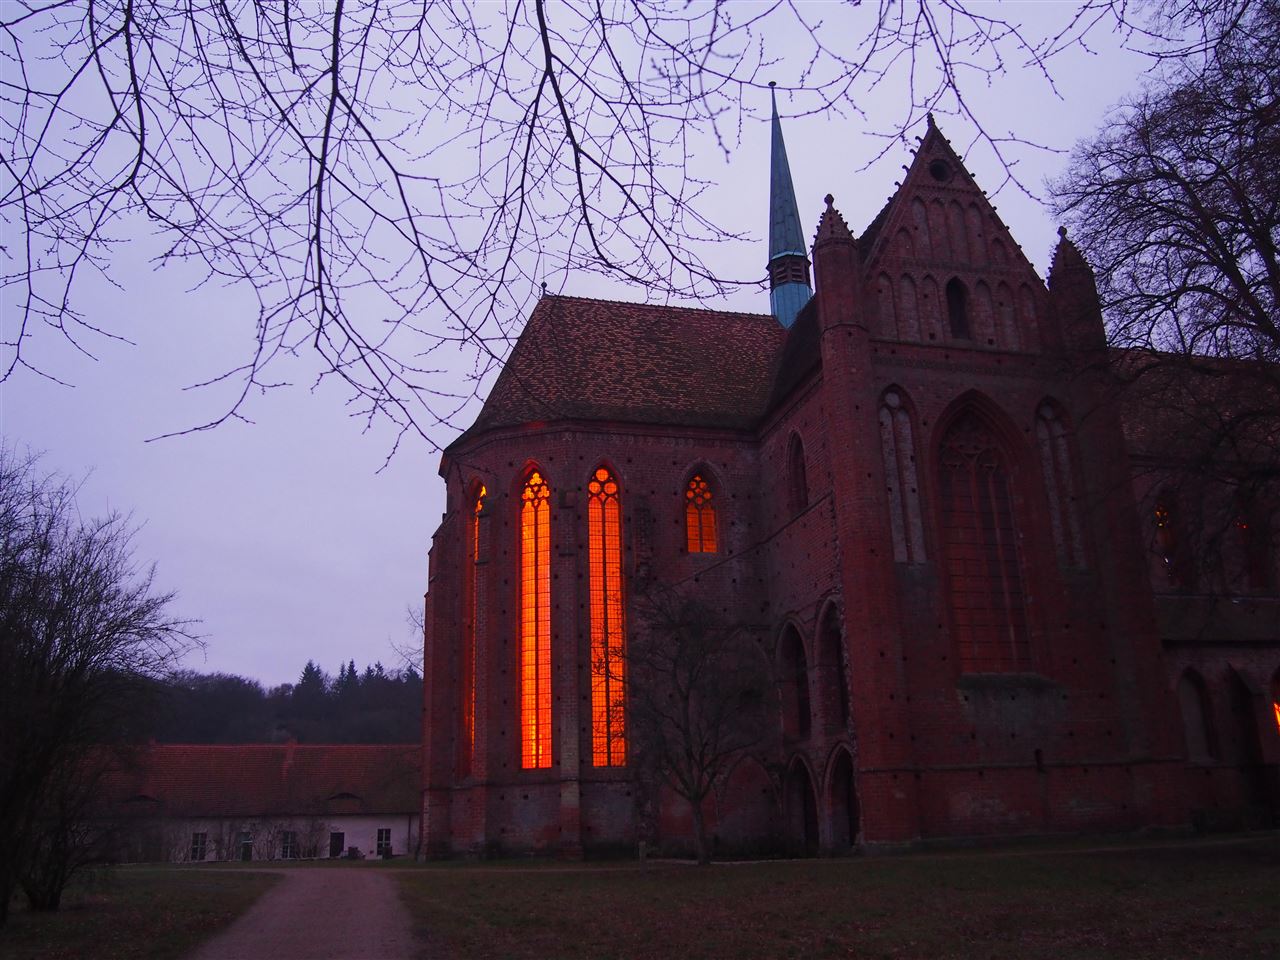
(608, 636)
(797, 481)
(984, 570)
(468, 673)
(535, 623)
(1060, 485)
(897, 444)
(700, 516)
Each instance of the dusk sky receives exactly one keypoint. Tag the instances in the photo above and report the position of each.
(284, 536)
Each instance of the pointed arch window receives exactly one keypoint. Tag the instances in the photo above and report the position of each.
(1275, 699)
(796, 710)
(835, 688)
(984, 566)
(700, 516)
(468, 672)
(535, 623)
(897, 444)
(797, 482)
(958, 309)
(1253, 530)
(1168, 539)
(608, 636)
(1193, 699)
(1060, 485)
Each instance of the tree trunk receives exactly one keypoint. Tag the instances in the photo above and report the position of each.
(700, 834)
(8, 884)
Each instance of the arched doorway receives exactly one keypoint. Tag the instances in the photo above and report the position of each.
(1248, 745)
(842, 804)
(831, 672)
(801, 812)
(793, 674)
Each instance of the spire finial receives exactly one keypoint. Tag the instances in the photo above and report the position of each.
(1062, 231)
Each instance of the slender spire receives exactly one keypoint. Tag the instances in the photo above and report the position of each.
(789, 288)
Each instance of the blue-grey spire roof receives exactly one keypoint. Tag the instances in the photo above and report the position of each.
(785, 236)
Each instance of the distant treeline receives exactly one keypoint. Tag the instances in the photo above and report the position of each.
(373, 706)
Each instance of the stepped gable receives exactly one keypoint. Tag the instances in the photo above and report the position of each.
(583, 359)
(906, 228)
(267, 779)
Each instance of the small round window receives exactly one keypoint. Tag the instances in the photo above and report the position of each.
(940, 170)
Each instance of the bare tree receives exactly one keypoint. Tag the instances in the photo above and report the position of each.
(700, 697)
(392, 180)
(1176, 204)
(82, 630)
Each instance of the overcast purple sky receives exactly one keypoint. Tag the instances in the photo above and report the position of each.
(282, 535)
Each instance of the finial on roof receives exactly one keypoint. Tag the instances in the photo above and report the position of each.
(544, 288)
(829, 200)
(832, 225)
(1066, 257)
(929, 118)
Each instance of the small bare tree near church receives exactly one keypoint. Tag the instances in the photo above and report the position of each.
(700, 697)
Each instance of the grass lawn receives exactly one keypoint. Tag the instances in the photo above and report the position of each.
(1190, 899)
(132, 913)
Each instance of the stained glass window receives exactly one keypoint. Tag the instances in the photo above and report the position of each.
(984, 566)
(1167, 544)
(468, 672)
(1060, 484)
(700, 516)
(535, 623)
(608, 638)
(902, 486)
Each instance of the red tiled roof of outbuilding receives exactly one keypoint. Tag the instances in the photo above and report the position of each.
(266, 779)
(603, 360)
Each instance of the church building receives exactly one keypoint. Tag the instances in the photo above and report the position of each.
(912, 483)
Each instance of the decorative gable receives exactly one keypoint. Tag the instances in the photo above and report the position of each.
(943, 268)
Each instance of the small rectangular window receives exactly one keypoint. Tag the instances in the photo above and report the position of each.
(289, 845)
(199, 845)
(384, 842)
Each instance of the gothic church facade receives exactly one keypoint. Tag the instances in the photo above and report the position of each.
(905, 480)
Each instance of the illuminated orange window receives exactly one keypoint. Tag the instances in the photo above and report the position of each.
(469, 650)
(700, 516)
(535, 623)
(608, 638)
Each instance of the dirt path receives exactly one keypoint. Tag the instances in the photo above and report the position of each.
(320, 914)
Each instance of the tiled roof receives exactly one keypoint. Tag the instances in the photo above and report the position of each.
(266, 779)
(603, 360)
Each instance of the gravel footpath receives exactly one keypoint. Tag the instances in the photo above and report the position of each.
(320, 914)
